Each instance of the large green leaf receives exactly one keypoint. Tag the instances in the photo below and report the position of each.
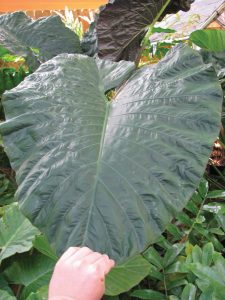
(16, 233)
(31, 271)
(121, 25)
(209, 39)
(110, 175)
(123, 277)
(19, 34)
(114, 74)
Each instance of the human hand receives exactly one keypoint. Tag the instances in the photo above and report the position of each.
(80, 275)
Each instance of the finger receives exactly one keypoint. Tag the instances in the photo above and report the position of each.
(69, 252)
(92, 258)
(104, 264)
(112, 263)
(80, 254)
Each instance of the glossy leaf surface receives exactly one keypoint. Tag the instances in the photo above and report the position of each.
(48, 36)
(213, 40)
(114, 74)
(110, 175)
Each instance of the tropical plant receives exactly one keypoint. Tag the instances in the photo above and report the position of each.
(96, 152)
(121, 25)
(20, 35)
(209, 39)
(118, 152)
(186, 252)
(75, 23)
(12, 71)
(72, 22)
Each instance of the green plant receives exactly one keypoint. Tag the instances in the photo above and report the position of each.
(16, 232)
(74, 23)
(53, 131)
(175, 266)
(21, 36)
(194, 274)
(209, 39)
(12, 71)
(10, 78)
(7, 190)
(118, 32)
(184, 264)
(111, 152)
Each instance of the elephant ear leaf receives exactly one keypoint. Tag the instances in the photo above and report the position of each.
(47, 36)
(114, 74)
(121, 26)
(110, 175)
(33, 272)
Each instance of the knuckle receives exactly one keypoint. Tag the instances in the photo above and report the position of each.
(93, 269)
(86, 249)
(77, 264)
(106, 256)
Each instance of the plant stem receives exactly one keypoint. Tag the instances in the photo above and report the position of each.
(18, 291)
(218, 172)
(214, 182)
(159, 15)
(149, 32)
(164, 282)
(195, 221)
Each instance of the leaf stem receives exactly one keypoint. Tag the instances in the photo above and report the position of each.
(195, 220)
(218, 172)
(164, 282)
(220, 186)
(149, 32)
(18, 291)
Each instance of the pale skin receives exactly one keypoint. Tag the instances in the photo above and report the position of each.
(80, 275)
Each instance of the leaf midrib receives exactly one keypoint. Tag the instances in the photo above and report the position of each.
(10, 240)
(108, 106)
